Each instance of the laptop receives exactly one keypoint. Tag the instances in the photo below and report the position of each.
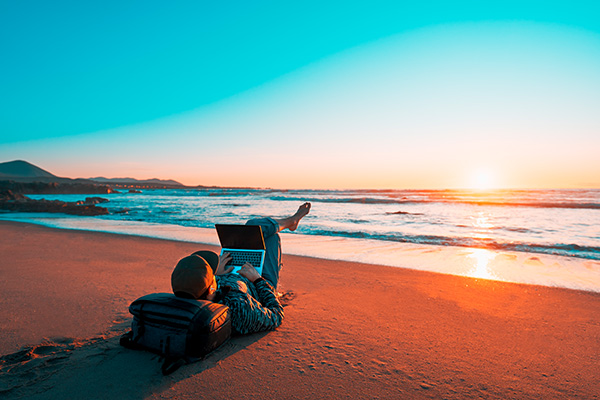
(245, 243)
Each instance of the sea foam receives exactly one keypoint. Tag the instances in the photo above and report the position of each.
(519, 267)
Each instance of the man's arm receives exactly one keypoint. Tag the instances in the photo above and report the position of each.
(267, 297)
(248, 315)
(255, 315)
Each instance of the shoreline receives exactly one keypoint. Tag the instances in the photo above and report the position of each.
(504, 266)
(351, 330)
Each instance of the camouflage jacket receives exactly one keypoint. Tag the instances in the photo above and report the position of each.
(253, 306)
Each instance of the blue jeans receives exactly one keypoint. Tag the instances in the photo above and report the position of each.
(272, 264)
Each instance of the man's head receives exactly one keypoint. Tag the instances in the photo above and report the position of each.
(194, 277)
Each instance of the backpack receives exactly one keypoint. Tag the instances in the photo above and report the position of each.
(180, 330)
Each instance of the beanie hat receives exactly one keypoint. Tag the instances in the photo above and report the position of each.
(192, 276)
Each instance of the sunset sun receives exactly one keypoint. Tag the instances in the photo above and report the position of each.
(482, 179)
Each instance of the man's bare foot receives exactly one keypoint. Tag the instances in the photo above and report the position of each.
(291, 223)
(303, 210)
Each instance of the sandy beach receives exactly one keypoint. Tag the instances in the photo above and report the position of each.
(351, 330)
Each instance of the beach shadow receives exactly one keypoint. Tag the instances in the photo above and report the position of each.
(98, 368)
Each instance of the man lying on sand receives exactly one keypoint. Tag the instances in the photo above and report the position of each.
(251, 298)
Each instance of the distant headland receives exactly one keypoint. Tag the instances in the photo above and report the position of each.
(19, 178)
(25, 172)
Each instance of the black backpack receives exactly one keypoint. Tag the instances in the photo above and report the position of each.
(181, 330)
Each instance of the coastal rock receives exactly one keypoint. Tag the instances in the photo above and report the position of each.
(134, 191)
(6, 195)
(95, 200)
(55, 187)
(19, 203)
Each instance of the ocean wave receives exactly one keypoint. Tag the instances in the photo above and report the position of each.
(517, 230)
(560, 249)
(592, 206)
(394, 215)
(569, 199)
(402, 213)
(367, 200)
(339, 200)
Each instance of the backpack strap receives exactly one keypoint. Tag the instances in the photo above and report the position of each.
(128, 341)
(141, 325)
(172, 364)
(169, 365)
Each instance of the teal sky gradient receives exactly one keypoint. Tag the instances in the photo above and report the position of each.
(416, 94)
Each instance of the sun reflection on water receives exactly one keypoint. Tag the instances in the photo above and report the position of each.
(482, 220)
(482, 224)
(481, 260)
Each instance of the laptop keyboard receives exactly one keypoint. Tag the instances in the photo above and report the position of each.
(242, 257)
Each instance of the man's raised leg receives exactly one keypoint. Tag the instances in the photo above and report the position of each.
(291, 222)
(270, 227)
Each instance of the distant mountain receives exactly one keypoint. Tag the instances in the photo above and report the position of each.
(130, 181)
(23, 169)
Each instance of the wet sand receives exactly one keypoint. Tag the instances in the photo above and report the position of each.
(351, 330)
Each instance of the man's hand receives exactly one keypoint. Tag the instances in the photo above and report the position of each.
(222, 266)
(249, 272)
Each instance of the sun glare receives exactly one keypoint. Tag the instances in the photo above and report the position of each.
(482, 179)
(481, 259)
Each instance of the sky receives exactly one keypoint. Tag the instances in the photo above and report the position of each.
(324, 95)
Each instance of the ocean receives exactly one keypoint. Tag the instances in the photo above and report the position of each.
(547, 237)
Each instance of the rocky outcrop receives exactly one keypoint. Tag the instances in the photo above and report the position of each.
(19, 203)
(55, 188)
(9, 195)
(93, 200)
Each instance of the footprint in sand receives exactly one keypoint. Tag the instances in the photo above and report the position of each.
(33, 364)
(286, 298)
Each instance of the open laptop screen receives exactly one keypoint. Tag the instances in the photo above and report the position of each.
(248, 237)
